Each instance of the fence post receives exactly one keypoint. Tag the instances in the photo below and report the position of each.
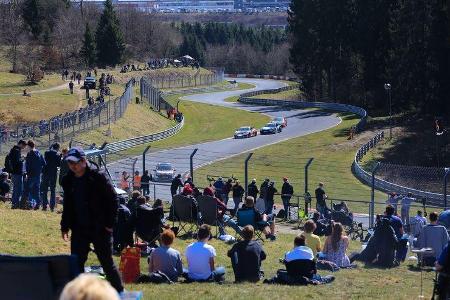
(134, 169)
(246, 173)
(144, 154)
(306, 182)
(191, 163)
(372, 195)
(447, 172)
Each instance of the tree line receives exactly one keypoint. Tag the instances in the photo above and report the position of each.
(347, 50)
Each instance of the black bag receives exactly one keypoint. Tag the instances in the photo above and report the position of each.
(154, 277)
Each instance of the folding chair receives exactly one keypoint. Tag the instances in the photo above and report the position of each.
(294, 202)
(45, 276)
(148, 224)
(207, 207)
(182, 208)
(247, 217)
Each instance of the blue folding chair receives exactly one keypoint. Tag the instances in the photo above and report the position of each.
(247, 217)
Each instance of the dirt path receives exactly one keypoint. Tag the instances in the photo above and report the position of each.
(52, 89)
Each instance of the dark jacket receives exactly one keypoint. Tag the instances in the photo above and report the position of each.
(253, 190)
(287, 189)
(63, 170)
(246, 257)
(35, 162)
(271, 190)
(16, 160)
(102, 201)
(263, 189)
(238, 191)
(53, 161)
(176, 182)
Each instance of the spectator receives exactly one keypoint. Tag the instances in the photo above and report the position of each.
(71, 87)
(287, 191)
(34, 163)
(393, 201)
(253, 189)
(221, 209)
(4, 186)
(246, 257)
(432, 236)
(14, 164)
(133, 202)
(322, 226)
(166, 259)
(443, 267)
(228, 186)
(406, 204)
(271, 191)
(136, 181)
(321, 204)
(416, 224)
(124, 183)
(88, 286)
(336, 245)
(201, 258)
(145, 183)
(397, 225)
(238, 193)
(63, 167)
(444, 219)
(312, 240)
(90, 210)
(123, 228)
(219, 186)
(176, 183)
(263, 189)
(49, 175)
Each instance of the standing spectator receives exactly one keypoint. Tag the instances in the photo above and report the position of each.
(218, 186)
(246, 257)
(393, 201)
(176, 183)
(433, 236)
(336, 245)
(201, 258)
(263, 189)
(49, 174)
(312, 240)
(253, 189)
(15, 166)
(124, 183)
(166, 259)
(63, 167)
(271, 191)
(71, 86)
(238, 192)
(416, 224)
(90, 211)
(78, 78)
(136, 181)
(406, 204)
(34, 163)
(321, 204)
(286, 193)
(228, 186)
(145, 183)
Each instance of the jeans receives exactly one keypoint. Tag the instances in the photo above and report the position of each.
(17, 181)
(231, 223)
(216, 275)
(269, 206)
(286, 200)
(48, 181)
(236, 201)
(34, 183)
(405, 215)
(224, 198)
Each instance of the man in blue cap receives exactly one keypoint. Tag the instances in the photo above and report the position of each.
(90, 211)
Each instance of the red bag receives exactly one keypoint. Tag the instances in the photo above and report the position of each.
(130, 266)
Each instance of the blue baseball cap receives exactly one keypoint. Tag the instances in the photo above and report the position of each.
(75, 154)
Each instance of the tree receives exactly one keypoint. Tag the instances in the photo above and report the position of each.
(12, 31)
(87, 51)
(32, 17)
(109, 38)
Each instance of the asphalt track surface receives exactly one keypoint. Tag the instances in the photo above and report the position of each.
(300, 122)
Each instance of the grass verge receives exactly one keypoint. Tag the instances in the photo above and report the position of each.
(295, 94)
(38, 234)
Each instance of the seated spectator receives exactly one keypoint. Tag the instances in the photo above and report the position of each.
(444, 219)
(246, 257)
(221, 210)
(132, 203)
(187, 190)
(201, 258)
(89, 286)
(123, 229)
(322, 225)
(380, 249)
(4, 186)
(443, 267)
(397, 225)
(166, 259)
(432, 236)
(336, 245)
(312, 240)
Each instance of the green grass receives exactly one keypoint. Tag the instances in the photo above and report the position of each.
(15, 83)
(333, 155)
(295, 94)
(38, 234)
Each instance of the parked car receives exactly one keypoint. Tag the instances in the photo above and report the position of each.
(271, 128)
(163, 172)
(245, 132)
(89, 83)
(281, 121)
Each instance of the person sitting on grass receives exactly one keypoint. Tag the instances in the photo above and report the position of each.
(312, 240)
(397, 225)
(336, 245)
(165, 259)
(201, 259)
(432, 236)
(246, 257)
(4, 186)
(89, 286)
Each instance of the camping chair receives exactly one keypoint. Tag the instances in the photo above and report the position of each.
(207, 207)
(260, 205)
(294, 202)
(45, 276)
(301, 268)
(182, 208)
(148, 224)
(247, 217)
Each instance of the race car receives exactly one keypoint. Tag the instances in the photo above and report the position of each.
(245, 132)
(163, 172)
(270, 128)
(281, 121)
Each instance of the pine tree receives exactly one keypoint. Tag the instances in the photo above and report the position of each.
(32, 17)
(109, 38)
(88, 48)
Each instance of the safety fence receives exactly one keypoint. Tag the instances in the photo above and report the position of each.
(66, 126)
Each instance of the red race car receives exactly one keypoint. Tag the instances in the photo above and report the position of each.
(280, 121)
(245, 132)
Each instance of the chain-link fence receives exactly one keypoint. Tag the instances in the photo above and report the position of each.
(176, 80)
(66, 126)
